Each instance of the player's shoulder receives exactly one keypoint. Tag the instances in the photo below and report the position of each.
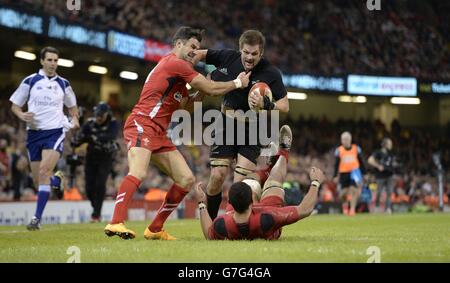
(219, 225)
(272, 70)
(62, 81)
(113, 122)
(224, 52)
(172, 61)
(31, 78)
(222, 57)
(171, 57)
(266, 221)
(377, 153)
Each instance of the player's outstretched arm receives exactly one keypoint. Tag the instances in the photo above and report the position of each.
(214, 88)
(309, 201)
(205, 220)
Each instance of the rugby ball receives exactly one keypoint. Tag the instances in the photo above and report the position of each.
(261, 89)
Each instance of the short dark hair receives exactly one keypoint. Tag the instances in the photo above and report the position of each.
(240, 196)
(185, 33)
(252, 37)
(46, 50)
(384, 141)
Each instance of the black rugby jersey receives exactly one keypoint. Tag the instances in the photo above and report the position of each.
(229, 65)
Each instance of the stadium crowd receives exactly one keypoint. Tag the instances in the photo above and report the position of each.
(404, 38)
(314, 144)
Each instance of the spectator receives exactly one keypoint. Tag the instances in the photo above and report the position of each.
(405, 38)
(383, 161)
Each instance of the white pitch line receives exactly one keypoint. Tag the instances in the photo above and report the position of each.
(25, 231)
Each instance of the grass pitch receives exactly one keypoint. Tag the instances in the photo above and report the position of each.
(320, 238)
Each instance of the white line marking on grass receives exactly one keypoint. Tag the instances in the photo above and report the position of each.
(25, 231)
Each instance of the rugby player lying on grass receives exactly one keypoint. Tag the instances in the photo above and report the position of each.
(246, 218)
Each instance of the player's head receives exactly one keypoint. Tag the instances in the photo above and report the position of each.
(346, 139)
(3, 144)
(101, 112)
(251, 46)
(49, 60)
(386, 143)
(185, 41)
(240, 197)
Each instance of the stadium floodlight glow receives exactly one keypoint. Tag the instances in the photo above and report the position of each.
(405, 100)
(352, 99)
(345, 98)
(360, 99)
(97, 69)
(25, 55)
(65, 63)
(128, 75)
(297, 95)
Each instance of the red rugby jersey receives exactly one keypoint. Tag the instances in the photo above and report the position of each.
(265, 222)
(164, 88)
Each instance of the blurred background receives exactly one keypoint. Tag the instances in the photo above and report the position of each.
(379, 73)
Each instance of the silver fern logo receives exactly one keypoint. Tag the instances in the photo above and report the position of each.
(373, 5)
(73, 5)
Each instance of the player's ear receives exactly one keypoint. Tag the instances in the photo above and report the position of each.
(180, 43)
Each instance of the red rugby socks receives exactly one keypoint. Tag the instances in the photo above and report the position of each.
(175, 195)
(127, 188)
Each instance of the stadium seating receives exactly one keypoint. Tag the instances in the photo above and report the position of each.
(344, 36)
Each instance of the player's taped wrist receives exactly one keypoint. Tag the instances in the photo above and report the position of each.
(201, 205)
(315, 183)
(237, 83)
(268, 105)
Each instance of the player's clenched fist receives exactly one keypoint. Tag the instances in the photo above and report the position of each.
(316, 174)
(27, 117)
(199, 193)
(245, 78)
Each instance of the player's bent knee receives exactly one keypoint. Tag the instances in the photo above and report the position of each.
(273, 187)
(216, 181)
(218, 175)
(242, 171)
(140, 175)
(272, 184)
(186, 181)
(44, 171)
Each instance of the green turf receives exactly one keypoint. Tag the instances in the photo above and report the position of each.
(320, 238)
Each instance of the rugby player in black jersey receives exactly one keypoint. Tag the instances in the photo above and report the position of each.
(229, 63)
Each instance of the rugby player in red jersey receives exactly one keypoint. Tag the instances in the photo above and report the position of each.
(145, 131)
(248, 219)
